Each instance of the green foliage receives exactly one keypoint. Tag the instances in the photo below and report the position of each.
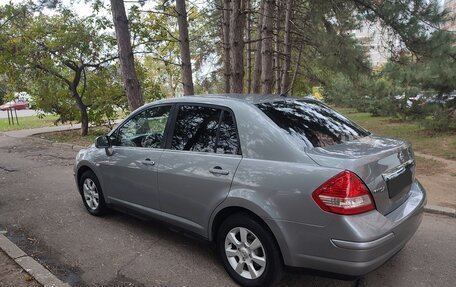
(435, 71)
(440, 119)
(424, 66)
(429, 75)
(340, 91)
(39, 52)
(153, 89)
(62, 61)
(105, 95)
(51, 96)
(156, 35)
(380, 98)
(411, 21)
(329, 52)
(2, 93)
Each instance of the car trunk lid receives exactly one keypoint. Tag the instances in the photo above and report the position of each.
(386, 166)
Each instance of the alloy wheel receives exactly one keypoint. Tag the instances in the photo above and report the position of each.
(91, 195)
(245, 253)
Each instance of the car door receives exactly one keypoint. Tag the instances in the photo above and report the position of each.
(131, 172)
(197, 168)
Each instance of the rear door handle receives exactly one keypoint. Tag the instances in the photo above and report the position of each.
(148, 162)
(219, 170)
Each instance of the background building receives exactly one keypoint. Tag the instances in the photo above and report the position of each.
(450, 5)
(376, 43)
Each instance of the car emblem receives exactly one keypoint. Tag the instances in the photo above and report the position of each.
(401, 156)
(381, 189)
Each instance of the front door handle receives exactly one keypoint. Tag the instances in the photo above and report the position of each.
(148, 162)
(219, 170)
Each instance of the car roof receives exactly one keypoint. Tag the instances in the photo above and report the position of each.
(239, 98)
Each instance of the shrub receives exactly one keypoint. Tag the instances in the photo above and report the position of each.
(441, 118)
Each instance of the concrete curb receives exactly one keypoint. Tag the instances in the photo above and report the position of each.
(440, 210)
(30, 265)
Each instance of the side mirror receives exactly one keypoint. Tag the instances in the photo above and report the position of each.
(104, 142)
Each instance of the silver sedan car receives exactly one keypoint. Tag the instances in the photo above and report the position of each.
(273, 181)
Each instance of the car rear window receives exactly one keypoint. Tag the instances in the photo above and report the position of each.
(312, 123)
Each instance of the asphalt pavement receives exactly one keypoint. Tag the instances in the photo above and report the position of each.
(43, 214)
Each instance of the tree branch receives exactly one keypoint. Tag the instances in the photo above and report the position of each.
(97, 65)
(51, 72)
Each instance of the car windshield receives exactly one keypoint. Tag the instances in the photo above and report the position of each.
(311, 123)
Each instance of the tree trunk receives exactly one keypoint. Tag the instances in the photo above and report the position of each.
(266, 51)
(237, 25)
(127, 62)
(82, 108)
(226, 44)
(186, 68)
(287, 42)
(277, 52)
(295, 73)
(84, 121)
(256, 86)
(249, 47)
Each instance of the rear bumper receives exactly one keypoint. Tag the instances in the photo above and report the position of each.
(351, 245)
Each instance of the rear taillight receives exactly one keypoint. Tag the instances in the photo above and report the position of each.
(345, 194)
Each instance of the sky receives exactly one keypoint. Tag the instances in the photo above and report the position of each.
(80, 6)
(84, 9)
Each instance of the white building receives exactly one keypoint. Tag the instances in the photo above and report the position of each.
(376, 42)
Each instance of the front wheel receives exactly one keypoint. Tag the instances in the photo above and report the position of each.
(91, 193)
(248, 251)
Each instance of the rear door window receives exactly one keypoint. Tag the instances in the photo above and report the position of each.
(311, 123)
(196, 128)
(205, 129)
(228, 142)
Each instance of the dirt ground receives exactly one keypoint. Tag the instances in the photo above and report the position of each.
(12, 275)
(441, 184)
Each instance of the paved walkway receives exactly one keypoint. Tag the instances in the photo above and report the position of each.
(441, 186)
(29, 132)
(20, 113)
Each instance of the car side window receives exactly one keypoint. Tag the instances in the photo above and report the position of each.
(196, 128)
(228, 142)
(145, 129)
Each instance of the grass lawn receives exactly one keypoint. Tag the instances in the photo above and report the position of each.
(28, 123)
(437, 144)
(74, 136)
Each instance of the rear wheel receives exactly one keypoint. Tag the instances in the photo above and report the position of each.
(248, 251)
(91, 193)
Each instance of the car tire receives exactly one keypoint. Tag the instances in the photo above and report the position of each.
(242, 240)
(91, 193)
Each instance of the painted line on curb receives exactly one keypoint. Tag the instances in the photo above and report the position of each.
(440, 210)
(30, 265)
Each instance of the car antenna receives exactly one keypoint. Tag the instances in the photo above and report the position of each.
(285, 94)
